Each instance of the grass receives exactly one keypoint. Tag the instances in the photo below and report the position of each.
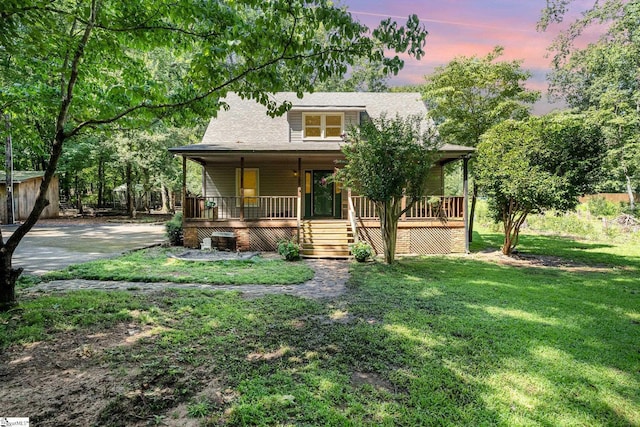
(154, 265)
(428, 341)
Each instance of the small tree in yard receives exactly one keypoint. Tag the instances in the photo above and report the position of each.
(541, 163)
(386, 160)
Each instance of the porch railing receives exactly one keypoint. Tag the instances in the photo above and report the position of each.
(222, 208)
(427, 207)
(288, 207)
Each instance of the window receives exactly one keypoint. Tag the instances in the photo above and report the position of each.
(251, 186)
(322, 126)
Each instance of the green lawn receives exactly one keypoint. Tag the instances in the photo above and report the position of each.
(154, 265)
(430, 341)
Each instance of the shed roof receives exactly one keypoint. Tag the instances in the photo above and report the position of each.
(21, 176)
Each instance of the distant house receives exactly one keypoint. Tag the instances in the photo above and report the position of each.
(265, 179)
(26, 185)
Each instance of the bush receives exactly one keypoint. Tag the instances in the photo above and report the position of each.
(361, 251)
(599, 206)
(289, 249)
(174, 230)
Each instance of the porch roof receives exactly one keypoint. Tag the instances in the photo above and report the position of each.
(246, 129)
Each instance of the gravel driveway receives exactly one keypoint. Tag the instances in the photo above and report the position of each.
(51, 247)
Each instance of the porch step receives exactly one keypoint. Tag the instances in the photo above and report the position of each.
(325, 238)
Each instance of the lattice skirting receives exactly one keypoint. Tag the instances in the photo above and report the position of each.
(373, 236)
(266, 239)
(206, 232)
(430, 240)
(423, 240)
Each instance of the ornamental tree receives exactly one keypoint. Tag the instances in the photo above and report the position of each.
(385, 161)
(470, 94)
(537, 164)
(84, 65)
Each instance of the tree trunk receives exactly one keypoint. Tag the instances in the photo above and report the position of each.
(472, 211)
(8, 278)
(388, 213)
(130, 195)
(164, 193)
(100, 182)
(78, 198)
(632, 202)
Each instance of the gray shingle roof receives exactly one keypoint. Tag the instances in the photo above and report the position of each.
(245, 127)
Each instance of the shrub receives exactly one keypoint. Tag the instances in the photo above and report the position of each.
(361, 251)
(174, 230)
(289, 249)
(599, 206)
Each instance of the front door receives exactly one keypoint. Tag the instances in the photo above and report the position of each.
(322, 194)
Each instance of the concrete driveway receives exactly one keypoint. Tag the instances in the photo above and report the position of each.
(48, 248)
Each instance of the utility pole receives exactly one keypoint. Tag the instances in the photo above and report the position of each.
(9, 170)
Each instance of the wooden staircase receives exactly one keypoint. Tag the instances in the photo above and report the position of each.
(325, 238)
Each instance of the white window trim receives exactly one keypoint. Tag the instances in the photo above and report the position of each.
(323, 126)
(256, 203)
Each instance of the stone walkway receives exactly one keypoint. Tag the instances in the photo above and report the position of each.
(329, 281)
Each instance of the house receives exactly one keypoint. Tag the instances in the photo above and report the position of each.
(265, 179)
(26, 185)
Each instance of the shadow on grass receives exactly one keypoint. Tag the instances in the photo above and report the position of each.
(432, 341)
(591, 253)
(559, 348)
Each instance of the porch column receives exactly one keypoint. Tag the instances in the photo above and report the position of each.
(403, 205)
(241, 188)
(185, 211)
(465, 189)
(299, 199)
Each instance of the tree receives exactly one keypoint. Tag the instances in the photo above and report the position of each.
(602, 79)
(537, 164)
(469, 95)
(85, 64)
(387, 160)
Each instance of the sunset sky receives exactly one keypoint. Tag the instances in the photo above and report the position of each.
(469, 27)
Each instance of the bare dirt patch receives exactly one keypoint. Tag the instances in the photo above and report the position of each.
(541, 261)
(71, 381)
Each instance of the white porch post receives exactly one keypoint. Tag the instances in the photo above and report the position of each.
(241, 188)
(299, 199)
(465, 187)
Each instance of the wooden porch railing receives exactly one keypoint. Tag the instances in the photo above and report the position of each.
(223, 208)
(428, 207)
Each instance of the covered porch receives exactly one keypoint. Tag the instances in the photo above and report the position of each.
(267, 197)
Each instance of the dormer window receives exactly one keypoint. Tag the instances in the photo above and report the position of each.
(323, 125)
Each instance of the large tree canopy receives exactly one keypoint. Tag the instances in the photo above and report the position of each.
(386, 160)
(72, 66)
(602, 79)
(537, 164)
(470, 94)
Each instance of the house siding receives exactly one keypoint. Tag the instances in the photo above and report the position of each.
(351, 118)
(276, 178)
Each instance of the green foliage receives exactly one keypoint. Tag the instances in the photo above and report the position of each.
(600, 78)
(174, 230)
(89, 67)
(599, 206)
(289, 249)
(157, 265)
(542, 163)
(385, 160)
(470, 94)
(199, 409)
(361, 251)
